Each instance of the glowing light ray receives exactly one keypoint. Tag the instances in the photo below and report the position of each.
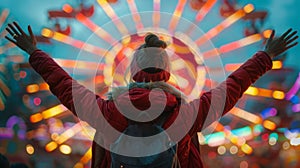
(114, 17)
(79, 64)
(135, 15)
(3, 16)
(235, 66)
(292, 92)
(246, 115)
(96, 29)
(156, 13)
(54, 111)
(176, 15)
(69, 133)
(201, 14)
(233, 45)
(225, 24)
(254, 91)
(87, 156)
(73, 42)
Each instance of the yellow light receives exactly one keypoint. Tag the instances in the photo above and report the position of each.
(248, 8)
(221, 150)
(79, 165)
(269, 125)
(278, 95)
(36, 117)
(51, 146)
(54, 136)
(65, 149)
(53, 111)
(47, 33)
(87, 156)
(32, 88)
(277, 65)
(247, 149)
(267, 33)
(286, 145)
(252, 91)
(272, 141)
(233, 149)
(29, 149)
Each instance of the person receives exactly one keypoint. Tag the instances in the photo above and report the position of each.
(150, 71)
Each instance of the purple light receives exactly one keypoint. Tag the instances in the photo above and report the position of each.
(268, 112)
(296, 108)
(292, 92)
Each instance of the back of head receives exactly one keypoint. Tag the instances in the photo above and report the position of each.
(150, 61)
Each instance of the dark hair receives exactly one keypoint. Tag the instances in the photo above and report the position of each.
(151, 40)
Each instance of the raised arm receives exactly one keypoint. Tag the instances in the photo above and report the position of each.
(218, 101)
(78, 99)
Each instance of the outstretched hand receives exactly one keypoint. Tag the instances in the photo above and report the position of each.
(276, 46)
(20, 38)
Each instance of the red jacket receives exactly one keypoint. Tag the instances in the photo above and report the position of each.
(187, 118)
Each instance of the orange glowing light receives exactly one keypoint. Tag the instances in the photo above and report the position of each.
(87, 156)
(267, 33)
(247, 149)
(277, 65)
(56, 110)
(79, 165)
(51, 146)
(44, 86)
(47, 33)
(29, 149)
(246, 115)
(67, 8)
(269, 125)
(248, 8)
(32, 88)
(36, 117)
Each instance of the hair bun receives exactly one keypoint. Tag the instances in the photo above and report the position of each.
(151, 40)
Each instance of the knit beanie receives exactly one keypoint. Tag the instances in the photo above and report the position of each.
(150, 62)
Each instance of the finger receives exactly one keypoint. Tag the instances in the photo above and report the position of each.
(11, 40)
(292, 45)
(271, 37)
(291, 35)
(13, 29)
(30, 32)
(286, 33)
(291, 40)
(9, 31)
(19, 28)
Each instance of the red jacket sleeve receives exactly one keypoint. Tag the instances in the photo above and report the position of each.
(78, 99)
(218, 101)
